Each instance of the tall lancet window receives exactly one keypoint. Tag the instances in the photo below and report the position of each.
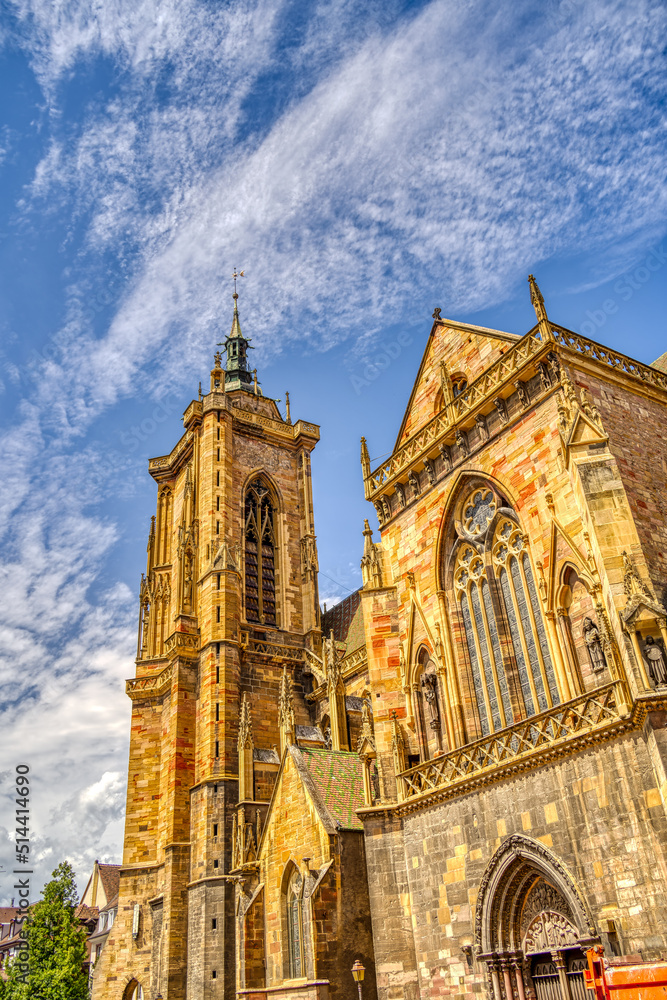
(524, 616)
(499, 614)
(260, 555)
(295, 925)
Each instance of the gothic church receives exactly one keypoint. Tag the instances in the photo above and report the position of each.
(458, 775)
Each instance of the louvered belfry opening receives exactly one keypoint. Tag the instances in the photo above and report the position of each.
(260, 555)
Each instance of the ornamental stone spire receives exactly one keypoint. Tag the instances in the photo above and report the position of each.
(537, 299)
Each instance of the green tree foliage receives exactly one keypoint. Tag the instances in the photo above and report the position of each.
(55, 947)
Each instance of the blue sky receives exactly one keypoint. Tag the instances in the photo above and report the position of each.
(364, 163)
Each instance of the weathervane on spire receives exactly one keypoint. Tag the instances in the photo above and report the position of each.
(237, 274)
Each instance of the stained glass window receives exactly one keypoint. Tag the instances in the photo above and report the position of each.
(486, 659)
(479, 511)
(529, 638)
(539, 625)
(497, 655)
(294, 925)
(500, 562)
(474, 663)
(516, 643)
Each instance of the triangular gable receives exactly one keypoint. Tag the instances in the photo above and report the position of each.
(438, 331)
(584, 431)
(561, 548)
(332, 785)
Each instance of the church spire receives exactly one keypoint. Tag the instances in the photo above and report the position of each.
(237, 373)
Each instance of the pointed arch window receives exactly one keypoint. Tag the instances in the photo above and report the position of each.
(260, 554)
(496, 595)
(295, 925)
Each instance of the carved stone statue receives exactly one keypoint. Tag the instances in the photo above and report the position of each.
(430, 689)
(400, 493)
(545, 377)
(446, 456)
(430, 470)
(589, 407)
(188, 570)
(554, 365)
(522, 393)
(501, 407)
(657, 667)
(375, 783)
(414, 482)
(386, 509)
(462, 442)
(592, 640)
(480, 420)
(563, 411)
(549, 931)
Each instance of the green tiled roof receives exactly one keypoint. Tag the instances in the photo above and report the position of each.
(338, 777)
(661, 363)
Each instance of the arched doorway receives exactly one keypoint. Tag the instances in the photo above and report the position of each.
(532, 925)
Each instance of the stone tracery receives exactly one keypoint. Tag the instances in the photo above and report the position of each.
(492, 576)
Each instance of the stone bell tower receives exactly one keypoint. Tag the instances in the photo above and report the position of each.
(229, 602)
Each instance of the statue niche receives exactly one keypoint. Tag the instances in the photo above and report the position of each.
(654, 656)
(428, 704)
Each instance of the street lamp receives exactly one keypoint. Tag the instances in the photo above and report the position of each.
(358, 973)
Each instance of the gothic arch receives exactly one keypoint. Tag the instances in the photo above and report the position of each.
(509, 876)
(505, 666)
(460, 488)
(262, 547)
(134, 991)
(261, 473)
(293, 923)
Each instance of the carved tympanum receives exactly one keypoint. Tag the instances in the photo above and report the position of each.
(549, 930)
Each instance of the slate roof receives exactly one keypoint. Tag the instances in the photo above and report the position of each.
(86, 913)
(337, 774)
(347, 621)
(110, 878)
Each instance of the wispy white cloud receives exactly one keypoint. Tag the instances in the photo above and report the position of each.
(366, 192)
